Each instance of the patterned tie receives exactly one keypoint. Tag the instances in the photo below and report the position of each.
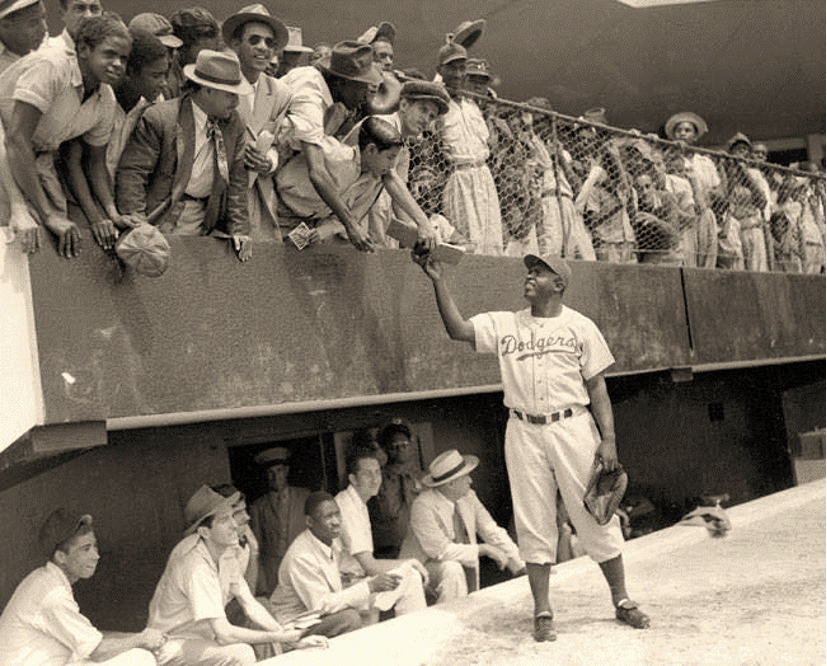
(215, 135)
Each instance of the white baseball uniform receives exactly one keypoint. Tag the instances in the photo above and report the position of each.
(545, 363)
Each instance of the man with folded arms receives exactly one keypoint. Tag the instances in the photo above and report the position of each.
(189, 601)
(42, 623)
(445, 520)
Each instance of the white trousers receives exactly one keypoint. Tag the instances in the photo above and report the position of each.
(134, 657)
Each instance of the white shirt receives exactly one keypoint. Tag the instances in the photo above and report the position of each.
(544, 361)
(42, 624)
(203, 163)
(357, 536)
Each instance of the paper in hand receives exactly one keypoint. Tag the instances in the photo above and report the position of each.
(408, 235)
(300, 236)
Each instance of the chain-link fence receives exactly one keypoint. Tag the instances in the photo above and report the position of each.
(541, 181)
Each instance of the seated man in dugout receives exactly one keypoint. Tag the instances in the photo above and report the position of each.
(365, 476)
(358, 175)
(310, 579)
(42, 623)
(445, 521)
(200, 579)
(47, 98)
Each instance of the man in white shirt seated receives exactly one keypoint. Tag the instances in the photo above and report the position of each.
(190, 599)
(310, 579)
(42, 623)
(445, 521)
(365, 477)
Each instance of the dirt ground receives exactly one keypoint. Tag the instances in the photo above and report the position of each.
(755, 597)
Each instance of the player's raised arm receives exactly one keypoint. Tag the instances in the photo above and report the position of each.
(457, 327)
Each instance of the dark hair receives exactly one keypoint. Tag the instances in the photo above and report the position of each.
(387, 433)
(380, 133)
(228, 490)
(239, 29)
(314, 499)
(358, 452)
(189, 25)
(146, 49)
(97, 29)
(66, 544)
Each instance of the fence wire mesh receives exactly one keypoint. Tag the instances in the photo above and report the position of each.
(516, 178)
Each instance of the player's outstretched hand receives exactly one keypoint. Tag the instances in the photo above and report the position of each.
(432, 268)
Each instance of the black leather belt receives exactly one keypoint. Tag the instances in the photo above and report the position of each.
(542, 419)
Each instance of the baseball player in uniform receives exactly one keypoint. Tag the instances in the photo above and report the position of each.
(552, 361)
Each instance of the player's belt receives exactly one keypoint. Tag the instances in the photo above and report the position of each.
(542, 419)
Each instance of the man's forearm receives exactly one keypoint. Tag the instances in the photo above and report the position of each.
(448, 310)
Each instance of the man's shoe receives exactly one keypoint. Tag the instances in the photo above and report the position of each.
(544, 628)
(628, 613)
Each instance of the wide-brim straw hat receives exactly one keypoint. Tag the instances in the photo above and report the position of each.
(295, 42)
(685, 117)
(220, 70)
(352, 61)
(205, 503)
(10, 6)
(258, 14)
(467, 33)
(448, 466)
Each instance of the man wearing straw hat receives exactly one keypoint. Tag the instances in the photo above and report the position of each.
(256, 37)
(22, 28)
(295, 53)
(552, 361)
(42, 623)
(445, 520)
(183, 167)
(199, 581)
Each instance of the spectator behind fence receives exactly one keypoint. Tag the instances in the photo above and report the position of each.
(205, 189)
(198, 30)
(327, 99)
(42, 623)
(744, 224)
(22, 28)
(420, 104)
(688, 127)
(365, 477)
(146, 73)
(563, 233)
(256, 37)
(470, 198)
(160, 27)
(359, 174)
(47, 98)
(446, 520)
(202, 575)
(277, 517)
(294, 54)
(605, 195)
(683, 188)
(656, 221)
(812, 224)
(72, 13)
(785, 226)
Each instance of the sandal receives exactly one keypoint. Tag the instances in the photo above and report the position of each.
(544, 627)
(628, 613)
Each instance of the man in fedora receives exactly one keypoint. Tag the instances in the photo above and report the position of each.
(295, 53)
(22, 28)
(42, 623)
(446, 518)
(470, 200)
(183, 167)
(199, 581)
(552, 361)
(257, 37)
(327, 99)
(277, 517)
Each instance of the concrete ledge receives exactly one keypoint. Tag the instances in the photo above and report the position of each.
(433, 635)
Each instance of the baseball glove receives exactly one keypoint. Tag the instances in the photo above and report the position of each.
(604, 492)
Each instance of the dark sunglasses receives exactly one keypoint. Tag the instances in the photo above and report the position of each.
(254, 40)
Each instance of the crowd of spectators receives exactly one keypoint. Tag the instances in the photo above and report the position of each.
(185, 125)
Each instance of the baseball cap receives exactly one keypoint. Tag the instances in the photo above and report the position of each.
(555, 264)
(159, 26)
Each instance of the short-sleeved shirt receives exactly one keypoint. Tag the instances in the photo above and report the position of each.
(42, 624)
(356, 536)
(192, 590)
(544, 361)
(7, 57)
(50, 80)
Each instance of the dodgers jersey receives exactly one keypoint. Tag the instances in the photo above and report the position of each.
(544, 361)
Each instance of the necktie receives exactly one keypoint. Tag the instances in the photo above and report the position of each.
(460, 533)
(215, 135)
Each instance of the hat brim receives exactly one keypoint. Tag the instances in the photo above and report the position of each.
(227, 503)
(470, 464)
(297, 49)
(243, 87)
(685, 117)
(170, 41)
(373, 76)
(279, 29)
(441, 103)
(469, 35)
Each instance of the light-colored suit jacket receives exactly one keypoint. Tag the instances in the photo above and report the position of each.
(270, 104)
(431, 534)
